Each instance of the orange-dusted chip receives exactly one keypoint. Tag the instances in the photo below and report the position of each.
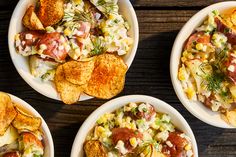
(8, 112)
(78, 72)
(24, 121)
(50, 11)
(31, 21)
(108, 77)
(69, 92)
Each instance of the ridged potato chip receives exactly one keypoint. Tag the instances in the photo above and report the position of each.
(78, 72)
(50, 11)
(69, 92)
(24, 121)
(108, 77)
(31, 21)
(94, 148)
(8, 112)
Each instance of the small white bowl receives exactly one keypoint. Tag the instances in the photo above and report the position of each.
(112, 105)
(21, 63)
(47, 138)
(196, 108)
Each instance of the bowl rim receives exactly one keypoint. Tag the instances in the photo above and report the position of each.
(173, 64)
(21, 103)
(119, 102)
(33, 85)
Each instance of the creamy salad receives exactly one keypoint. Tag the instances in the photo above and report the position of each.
(137, 130)
(207, 69)
(87, 29)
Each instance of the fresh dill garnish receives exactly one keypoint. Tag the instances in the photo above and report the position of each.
(98, 47)
(214, 81)
(84, 16)
(108, 7)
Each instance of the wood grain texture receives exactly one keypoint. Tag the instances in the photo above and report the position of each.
(149, 75)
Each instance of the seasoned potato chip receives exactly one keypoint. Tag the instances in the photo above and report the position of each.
(50, 11)
(231, 117)
(94, 148)
(69, 92)
(78, 72)
(31, 21)
(24, 121)
(108, 77)
(8, 112)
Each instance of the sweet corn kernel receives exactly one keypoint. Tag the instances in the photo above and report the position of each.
(190, 93)
(181, 74)
(112, 16)
(199, 46)
(67, 31)
(187, 147)
(100, 129)
(133, 142)
(215, 36)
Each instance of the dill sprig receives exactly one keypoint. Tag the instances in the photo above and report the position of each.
(214, 81)
(108, 7)
(98, 47)
(84, 16)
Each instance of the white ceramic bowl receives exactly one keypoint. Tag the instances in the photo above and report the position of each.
(21, 63)
(196, 108)
(112, 105)
(47, 138)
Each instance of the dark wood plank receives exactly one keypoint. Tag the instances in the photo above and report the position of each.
(149, 75)
(10, 4)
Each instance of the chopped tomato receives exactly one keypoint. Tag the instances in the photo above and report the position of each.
(11, 154)
(198, 37)
(230, 65)
(30, 139)
(55, 47)
(27, 39)
(223, 28)
(178, 144)
(124, 134)
(83, 30)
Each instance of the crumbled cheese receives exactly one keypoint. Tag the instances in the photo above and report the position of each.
(231, 68)
(61, 47)
(169, 144)
(43, 47)
(121, 147)
(28, 36)
(162, 135)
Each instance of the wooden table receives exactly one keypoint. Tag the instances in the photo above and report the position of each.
(159, 23)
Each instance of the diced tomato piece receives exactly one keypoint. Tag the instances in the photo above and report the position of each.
(230, 65)
(223, 28)
(12, 154)
(83, 30)
(198, 37)
(55, 47)
(124, 134)
(30, 139)
(27, 39)
(178, 144)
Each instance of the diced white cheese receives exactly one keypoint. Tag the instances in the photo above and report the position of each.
(121, 147)
(168, 143)
(28, 36)
(43, 47)
(231, 68)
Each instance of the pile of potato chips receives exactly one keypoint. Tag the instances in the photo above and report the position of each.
(11, 115)
(102, 76)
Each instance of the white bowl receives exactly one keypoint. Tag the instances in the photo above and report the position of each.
(47, 138)
(196, 108)
(21, 63)
(112, 105)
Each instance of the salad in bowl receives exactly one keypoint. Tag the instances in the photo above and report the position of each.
(134, 126)
(55, 32)
(204, 76)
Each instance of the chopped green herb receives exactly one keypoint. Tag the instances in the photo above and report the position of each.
(214, 81)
